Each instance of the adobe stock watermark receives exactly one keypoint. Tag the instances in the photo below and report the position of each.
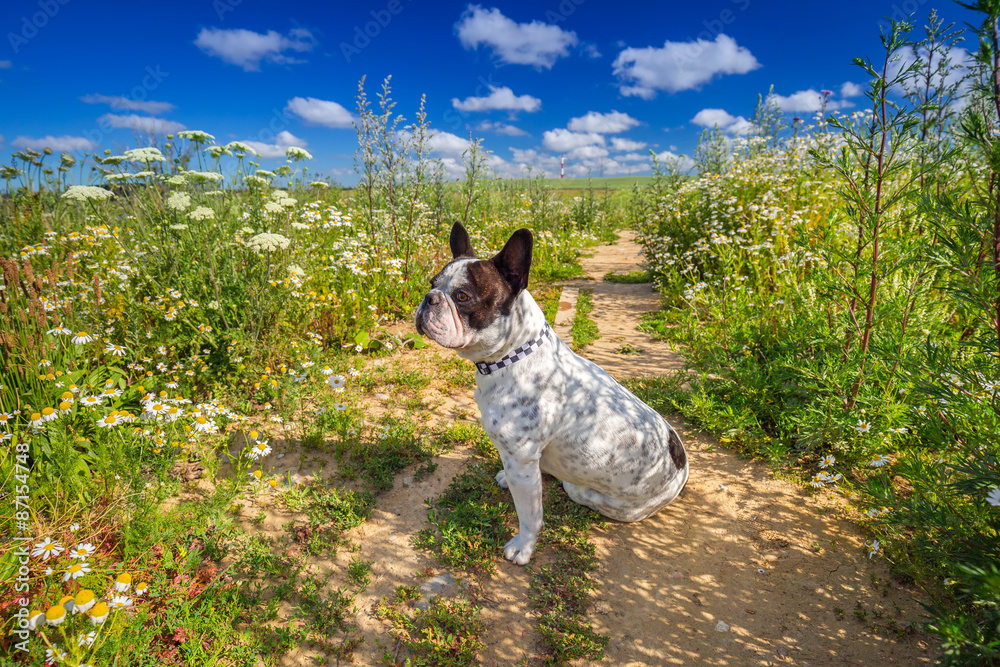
(22, 515)
(105, 124)
(30, 25)
(279, 121)
(563, 11)
(363, 35)
(223, 7)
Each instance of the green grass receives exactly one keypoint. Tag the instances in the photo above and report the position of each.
(472, 521)
(446, 633)
(585, 330)
(630, 278)
(599, 183)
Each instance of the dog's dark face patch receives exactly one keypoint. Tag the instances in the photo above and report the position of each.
(482, 298)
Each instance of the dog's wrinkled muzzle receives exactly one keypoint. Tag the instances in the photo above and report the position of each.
(424, 310)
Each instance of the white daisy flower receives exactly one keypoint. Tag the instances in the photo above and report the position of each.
(82, 337)
(123, 582)
(203, 424)
(260, 450)
(47, 548)
(82, 551)
(83, 601)
(993, 497)
(863, 426)
(109, 421)
(76, 571)
(878, 461)
(119, 602)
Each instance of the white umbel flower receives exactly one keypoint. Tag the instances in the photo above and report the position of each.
(144, 155)
(179, 201)
(87, 193)
(269, 242)
(296, 153)
(202, 213)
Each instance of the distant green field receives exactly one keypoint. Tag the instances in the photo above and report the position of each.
(608, 182)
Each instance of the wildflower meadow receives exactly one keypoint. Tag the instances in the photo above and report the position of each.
(174, 318)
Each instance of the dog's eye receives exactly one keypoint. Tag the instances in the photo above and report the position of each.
(461, 297)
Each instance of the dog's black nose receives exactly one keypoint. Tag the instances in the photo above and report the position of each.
(433, 298)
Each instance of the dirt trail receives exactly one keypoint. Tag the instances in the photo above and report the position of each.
(742, 569)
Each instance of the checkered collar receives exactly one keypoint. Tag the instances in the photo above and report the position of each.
(515, 355)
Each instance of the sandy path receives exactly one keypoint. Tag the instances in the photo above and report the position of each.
(778, 566)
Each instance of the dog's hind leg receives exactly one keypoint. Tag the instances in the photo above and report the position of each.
(613, 508)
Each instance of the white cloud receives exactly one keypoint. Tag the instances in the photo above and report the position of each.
(125, 104)
(587, 153)
(282, 141)
(680, 65)
(620, 144)
(320, 112)
(807, 101)
(499, 98)
(602, 123)
(63, 143)
(560, 140)
(146, 124)
(633, 157)
(723, 119)
(713, 117)
(6, 64)
(449, 144)
(850, 89)
(501, 128)
(535, 43)
(248, 49)
(683, 162)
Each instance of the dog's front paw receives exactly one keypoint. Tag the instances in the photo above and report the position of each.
(501, 479)
(520, 549)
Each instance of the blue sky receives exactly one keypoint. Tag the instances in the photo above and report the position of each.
(602, 82)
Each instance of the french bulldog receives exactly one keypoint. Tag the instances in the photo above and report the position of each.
(545, 408)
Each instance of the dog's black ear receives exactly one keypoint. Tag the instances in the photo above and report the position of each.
(461, 246)
(514, 261)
